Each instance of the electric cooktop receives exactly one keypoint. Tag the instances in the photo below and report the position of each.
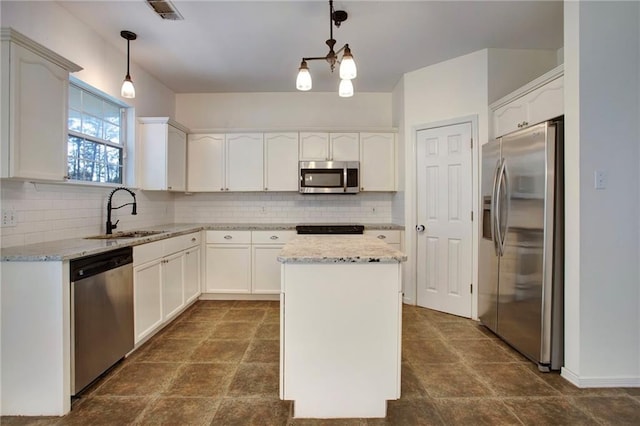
(323, 228)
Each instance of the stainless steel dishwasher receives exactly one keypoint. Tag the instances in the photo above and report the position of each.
(101, 315)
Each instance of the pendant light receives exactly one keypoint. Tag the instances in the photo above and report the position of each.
(348, 70)
(128, 91)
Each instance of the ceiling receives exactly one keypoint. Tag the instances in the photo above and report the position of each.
(257, 46)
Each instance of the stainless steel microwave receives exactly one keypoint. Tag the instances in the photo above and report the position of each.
(329, 177)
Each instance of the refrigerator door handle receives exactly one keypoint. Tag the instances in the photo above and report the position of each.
(494, 211)
(507, 193)
(499, 240)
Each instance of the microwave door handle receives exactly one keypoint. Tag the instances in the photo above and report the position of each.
(344, 178)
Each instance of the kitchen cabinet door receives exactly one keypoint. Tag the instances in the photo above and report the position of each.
(34, 111)
(228, 268)
(147, 298)
(176, 160)
(314, 146)
(377, 162)
(191, 274)
(172, 285)
(281, 161)
(266, 269)
(344, 146)
(245, 162)
(205, 163)
(162, 162)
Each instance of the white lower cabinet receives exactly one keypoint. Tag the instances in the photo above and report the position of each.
(244, 261)
(166, 278)
(228, 262)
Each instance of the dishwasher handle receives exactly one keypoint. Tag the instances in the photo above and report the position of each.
(89, 266)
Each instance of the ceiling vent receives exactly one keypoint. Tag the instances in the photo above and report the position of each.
(165, 9)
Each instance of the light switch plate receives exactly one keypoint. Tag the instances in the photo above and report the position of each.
(8, 218)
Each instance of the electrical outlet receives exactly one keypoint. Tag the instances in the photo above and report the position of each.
(8, 218)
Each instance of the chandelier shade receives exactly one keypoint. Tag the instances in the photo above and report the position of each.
(127, 90)
(348, 70)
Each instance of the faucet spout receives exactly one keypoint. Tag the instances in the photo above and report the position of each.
(134, 211)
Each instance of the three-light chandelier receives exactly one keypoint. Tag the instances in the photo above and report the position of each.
(348, 69)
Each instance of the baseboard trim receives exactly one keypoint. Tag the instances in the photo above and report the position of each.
(231, 296)
(600, 382)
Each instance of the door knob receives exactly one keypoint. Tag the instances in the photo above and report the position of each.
(420, 228)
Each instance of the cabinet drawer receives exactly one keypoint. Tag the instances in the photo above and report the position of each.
(388, 236)
(228, 237)
(181, 242)
(271, 237)
(147, 252)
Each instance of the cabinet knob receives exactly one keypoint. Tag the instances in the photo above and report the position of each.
(266, 189)
(66, 177)
(170, 187)
(382, 237)
(193, 239)
(221, 189)
(362, 188)
(274, 237)
(228, 237)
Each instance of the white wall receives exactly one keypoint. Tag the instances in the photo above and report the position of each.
(448, 90)
(281, 111)
(105, 66)
(602, 102)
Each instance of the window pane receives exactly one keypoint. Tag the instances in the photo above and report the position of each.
(92, 104)
(111, 133)
(75, 97)
(75, 121)
(112, 113)
(91, 126)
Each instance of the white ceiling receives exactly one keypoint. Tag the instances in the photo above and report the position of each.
(257, 46)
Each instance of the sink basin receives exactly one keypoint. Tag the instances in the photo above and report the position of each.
(125, 234)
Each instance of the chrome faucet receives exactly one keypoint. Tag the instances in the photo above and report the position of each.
(112, 226)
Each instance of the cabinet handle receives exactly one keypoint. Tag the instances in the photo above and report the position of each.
(525, 123)
(274, 237)
(382, 237)
(221, 189)
(170, 187)
(228, 237)
(66, 177)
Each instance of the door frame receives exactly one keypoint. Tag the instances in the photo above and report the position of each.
(411, 212)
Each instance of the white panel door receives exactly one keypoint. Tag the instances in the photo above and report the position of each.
(266, 268)
(281, 161)
(345, 146)
(172, 285)
(176, 160)
(228, 268)
(245, 162)
(147, 298)
(205, 163)
(191, 274)
(444, 206)
(314, 146)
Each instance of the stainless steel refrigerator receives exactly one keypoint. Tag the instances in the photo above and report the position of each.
(520, 295)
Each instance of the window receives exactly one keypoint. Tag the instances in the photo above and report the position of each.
(96, 144)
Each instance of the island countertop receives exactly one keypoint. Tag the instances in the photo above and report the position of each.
(339, 249)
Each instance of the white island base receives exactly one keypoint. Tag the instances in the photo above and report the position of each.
(340, 338)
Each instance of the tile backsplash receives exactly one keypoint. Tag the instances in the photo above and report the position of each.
(47, 212)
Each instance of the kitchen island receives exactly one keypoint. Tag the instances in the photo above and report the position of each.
(340, 327)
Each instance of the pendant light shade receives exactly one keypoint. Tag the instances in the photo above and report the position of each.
(348, 68)
(347, 65)
(303, 81)
(128, 91)
(345, 90)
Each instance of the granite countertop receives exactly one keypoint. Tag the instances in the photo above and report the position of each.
(339, 249)
(74, 248)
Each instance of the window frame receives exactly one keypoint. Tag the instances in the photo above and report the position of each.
(126, 117)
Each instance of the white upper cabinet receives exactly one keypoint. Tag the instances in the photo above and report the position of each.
(205, 164)
(162, 150)
(377, 162)
(35, 90)
(281, 161)
(320, 146)
(540, 100)
(245, 162)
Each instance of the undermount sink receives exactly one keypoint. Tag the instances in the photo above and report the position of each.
(125, 234)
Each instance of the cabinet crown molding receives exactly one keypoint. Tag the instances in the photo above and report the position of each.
(529, 87)
(9, 34)
(163, 120)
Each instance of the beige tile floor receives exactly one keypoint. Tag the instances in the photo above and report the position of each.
(217, 364)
